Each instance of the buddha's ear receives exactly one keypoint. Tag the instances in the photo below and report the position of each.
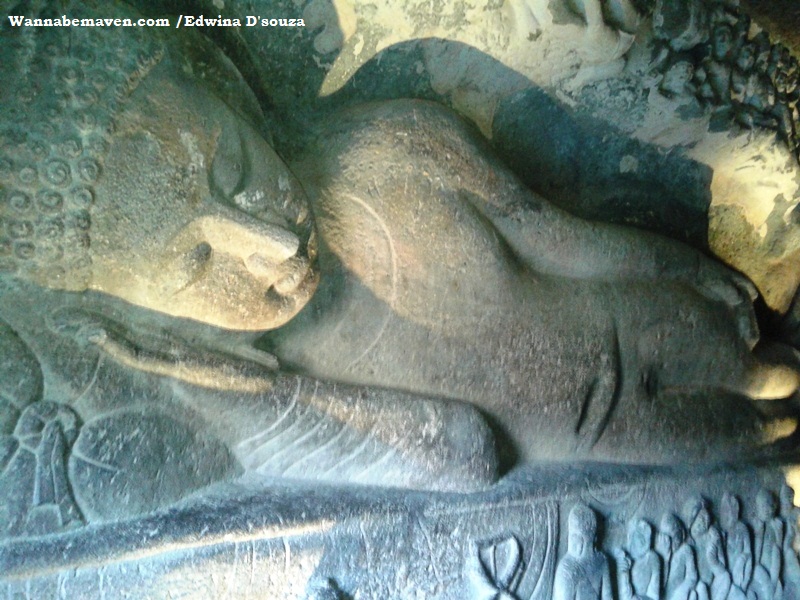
(203, 60)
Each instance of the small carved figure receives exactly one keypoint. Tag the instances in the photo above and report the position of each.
(738, 545)
(791, 564)
(774, 61)
(752, 92)
(680, 565)
(714, 579)
(640, 570)
(769, 538)
(782, 110)
(763, 52)
(496, 569)
(741, 32)
(722, 13)
(35, 492)
(715, 69)
(678, 77)
(583, 573)
(680, 23)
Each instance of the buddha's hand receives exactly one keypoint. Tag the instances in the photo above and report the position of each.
(84, 328)
(708, 277)
(722, 284)
(167, 355)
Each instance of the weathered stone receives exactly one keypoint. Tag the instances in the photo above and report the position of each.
(390, 357)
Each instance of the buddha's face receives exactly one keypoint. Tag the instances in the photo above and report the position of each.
(578, 543)
(196, 216)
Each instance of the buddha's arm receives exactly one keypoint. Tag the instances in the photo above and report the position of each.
(164, 355)
(552, 241)
(443, 160)
(277, 424)
(304, 428)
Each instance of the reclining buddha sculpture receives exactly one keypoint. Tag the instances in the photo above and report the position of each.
(180, 308)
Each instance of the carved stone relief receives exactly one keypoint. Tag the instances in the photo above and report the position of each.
(352, 351)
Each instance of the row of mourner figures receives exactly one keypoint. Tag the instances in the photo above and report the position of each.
(690, 557)
(711, 51)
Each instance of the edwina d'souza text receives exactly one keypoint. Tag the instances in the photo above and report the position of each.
(249, 21)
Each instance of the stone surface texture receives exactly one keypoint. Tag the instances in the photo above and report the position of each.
(416, 300)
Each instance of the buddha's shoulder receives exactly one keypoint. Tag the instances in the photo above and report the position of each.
(394, 142)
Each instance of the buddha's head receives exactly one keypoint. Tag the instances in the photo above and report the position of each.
(133, 163)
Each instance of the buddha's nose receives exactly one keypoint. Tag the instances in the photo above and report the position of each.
(250, 240)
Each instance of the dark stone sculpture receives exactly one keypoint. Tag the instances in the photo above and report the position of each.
(733, 69)
(681, 574)
(377, 368)
(640, 572)
(583, 573)
(738, 546)
(769, 534)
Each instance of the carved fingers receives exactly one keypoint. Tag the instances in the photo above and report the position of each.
(718, 283)
(168, 356)
(775, 373)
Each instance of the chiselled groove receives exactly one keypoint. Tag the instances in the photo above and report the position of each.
(260, 457)
(300, 418)
(587, 400)
(257, 456)
(97, 366)
(324, 447)
(283, 441)
(388, 455)
(321, 421)
(287, 554)
(257, 438)
(601, 398)
(95, 463)
(393, 293)
(344, 427)
(616, 367)
(544, 584)
(368, 437)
